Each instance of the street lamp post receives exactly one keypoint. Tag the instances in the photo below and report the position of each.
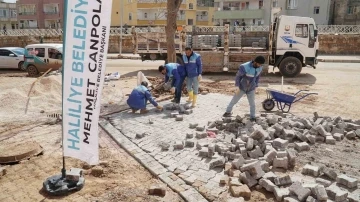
(121, 23)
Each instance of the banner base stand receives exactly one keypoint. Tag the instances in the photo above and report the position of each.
(58, 185)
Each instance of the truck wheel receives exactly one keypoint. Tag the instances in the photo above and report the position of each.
(178, 60)
(290, 67)
(32, 71)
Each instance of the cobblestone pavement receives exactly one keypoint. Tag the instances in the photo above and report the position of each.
(186, 163)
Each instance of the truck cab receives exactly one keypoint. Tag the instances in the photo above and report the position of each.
(294, 44)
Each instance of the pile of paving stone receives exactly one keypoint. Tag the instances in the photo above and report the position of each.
(250, 150)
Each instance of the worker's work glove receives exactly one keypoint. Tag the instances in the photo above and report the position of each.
(159, 107)
(172, 90)
(237, 92)
(199, 77)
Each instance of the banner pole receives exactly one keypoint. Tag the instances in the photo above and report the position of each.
(63, 170)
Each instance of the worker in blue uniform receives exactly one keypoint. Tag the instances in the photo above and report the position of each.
(139, 98)
(176, 74)
(193, 66)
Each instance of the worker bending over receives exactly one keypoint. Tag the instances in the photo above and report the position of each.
(177, 74)
(139, 98)
(246, 81)
(193, 66)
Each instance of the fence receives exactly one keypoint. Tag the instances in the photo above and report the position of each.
(322, 29)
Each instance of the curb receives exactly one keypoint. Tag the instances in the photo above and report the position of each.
(187, 192)
(339, 61)
(124, 57)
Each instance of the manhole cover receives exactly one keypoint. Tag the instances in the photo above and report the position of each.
(15, 152)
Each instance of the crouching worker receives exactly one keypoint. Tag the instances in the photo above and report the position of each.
(177, 74)
(139, 98)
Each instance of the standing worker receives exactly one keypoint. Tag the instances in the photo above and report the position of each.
(247, 79)
(139, 98)
(177, 74)
(193, 66)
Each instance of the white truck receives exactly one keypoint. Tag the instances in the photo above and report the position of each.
(292, 44)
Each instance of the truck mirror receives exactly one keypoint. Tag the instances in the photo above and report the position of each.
(316, 33)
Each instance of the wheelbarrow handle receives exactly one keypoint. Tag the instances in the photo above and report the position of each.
(301, 91)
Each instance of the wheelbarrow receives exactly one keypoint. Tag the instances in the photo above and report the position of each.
(283, 100)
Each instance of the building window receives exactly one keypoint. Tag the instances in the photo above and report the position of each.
(247, 5)
(130, 16)
(254, 21)
(3, 13)
(145, 15)
(191, 6)
(275, 3)
(316, 10)
(261, 4)
(292, 4)
(190, 22)
(301, 30)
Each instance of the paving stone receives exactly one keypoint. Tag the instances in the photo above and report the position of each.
(237, 163)
(281, 193)
(354, 196)
(338, 136)
(329, 140)
(200, 128)
(255, 153)
(159, 190)
(193, 125)
(201, 135)
(224, 179)
(188, 111)
(203, 152)
(334, 192)
(243, 190)
(329, 173)
(234, 173)
(311, 138)
(254, 169)
(178, 145)
(217, 162)
(234, 181)
(279, 143)
(281, 154)
(302, 146)
(347, 181)
(265, 166)
(291, 155)
(320, 193)
(323, 182)
(281, 181)
(311, 170)
(311, 199)
(267, 184)
(280, 163)
(301, 192)
(189, 143)
(179, 118)
(250, 144)
(270, 176)
(290, 199)
(246, 178)
(189, 135)
(350, 135)
(270, 156)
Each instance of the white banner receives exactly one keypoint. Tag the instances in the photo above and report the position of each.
(86, 38)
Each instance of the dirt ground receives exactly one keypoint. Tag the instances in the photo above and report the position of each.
(124, 179)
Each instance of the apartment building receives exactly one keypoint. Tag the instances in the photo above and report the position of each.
(346, 12)
(42, 14)
(154, 12)
(258, 12)
(8, 19)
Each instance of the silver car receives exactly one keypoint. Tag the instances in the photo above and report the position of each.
(12, 58)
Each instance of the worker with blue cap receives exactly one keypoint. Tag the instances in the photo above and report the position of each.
(139, 98)
(176, 74)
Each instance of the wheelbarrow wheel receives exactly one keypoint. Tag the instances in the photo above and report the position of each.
(268, 104)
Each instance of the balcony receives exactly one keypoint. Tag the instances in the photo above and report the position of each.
(27, 13)
(51, 9)
(158, 22)
(234, 14)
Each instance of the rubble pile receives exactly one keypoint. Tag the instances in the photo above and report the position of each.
(250, 151)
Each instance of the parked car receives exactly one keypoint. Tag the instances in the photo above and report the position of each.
(42, 57)
(12, 57)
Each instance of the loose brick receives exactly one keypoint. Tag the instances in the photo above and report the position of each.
(311, 199)
(227, 168)
(281, 181)
(323, 182)
(301, 192)
(218, 162)
(201, 135)
(310, 170)
(291, 155)
(189, 143)
(281, 154)
(189, 135)
(178, 145)
(265, 166)
(250, 144)
(280, 163)
(246, 178)
(302, 146)
(234, 181)
(334, 192)
(270, 176)
(179, 118)
(281, 193)
(329, 173)
(270, 156)
(321, 130)
(267, 184)
(224, 179)
(193, 125)
(203, 152)
(311, 138)
(200, 128)
(290, 199)
(255, 153)
(347, 181)
(237, 163)
(320, 193)
(350, 135)
(329, 140)
(279, 143)
(338, 136)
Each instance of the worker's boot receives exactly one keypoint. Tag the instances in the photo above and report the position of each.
(191, 96)
(194, 101)
(144, 111)
(133, 111)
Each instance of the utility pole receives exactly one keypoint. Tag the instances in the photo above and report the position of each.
(121, 24)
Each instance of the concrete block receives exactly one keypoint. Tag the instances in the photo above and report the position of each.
(201, 135)
(255, 153)
(188, 111)
(189, 135)
(289, 134)
(279, 143)
(268, 148)
(337, 130)
(259, 135)
(291, 199)
(193, 125)
(178, 145)
(320, 138)
(267, 184)
(174, 114)
(250, 144)
(320, 193)
(189, 143)
(311, 170)
(234, 173)
(347, 181)
(281, 193)
(203, 152)
(338, 136)
(321, 130)
(200, 128)
(265, 166)
(302, 136)
(311, 138)
(224, 179)
(335, 193)
(278, 128)
(179, 118)
(301, 192)
(291, 155)
(329, 173)
(270, 176)
(302, 146)
(280, 163)
(281, 181)
(237, 163)
(311, 199)
(271, 132)
(240, 191)
(159, 190)
(329, 140)
(270, 156)
(323, 182)
(246, 178)
(357, 132)
(218, 162)
(350, 135)
(354, 197)
(227, 168)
